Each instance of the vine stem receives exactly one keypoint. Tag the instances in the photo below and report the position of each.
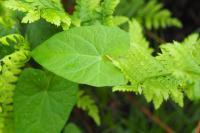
(197, 129)
(151, 116)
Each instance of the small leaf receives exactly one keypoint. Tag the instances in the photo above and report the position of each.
(82, 54)
(42, 102)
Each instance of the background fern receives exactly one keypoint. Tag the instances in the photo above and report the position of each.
(149, 13)
(87, 103)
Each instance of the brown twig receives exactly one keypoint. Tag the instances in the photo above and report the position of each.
(155, 37)
(197, 129)
(151, 116)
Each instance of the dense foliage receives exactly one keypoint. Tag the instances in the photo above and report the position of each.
(54, 63)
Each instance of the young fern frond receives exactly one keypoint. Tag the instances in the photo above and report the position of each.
(9, 70)
(86, 103)
(50, 10)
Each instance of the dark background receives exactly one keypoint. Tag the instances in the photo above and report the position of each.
(188, 11)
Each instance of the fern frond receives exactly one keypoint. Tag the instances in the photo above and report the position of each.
(149, 75)
(50, 10)
(170, 74)
(9, 70)
(149, 13)
(127, 89)
(136, 34)
(12, 37)
(96, 11)
(119, 20)
(146, 73)
(7, 22)
(184, 61)
(18, 5)
(107, 10)
(154, 16)
(86, 10)
(129, 7)
(86, 103)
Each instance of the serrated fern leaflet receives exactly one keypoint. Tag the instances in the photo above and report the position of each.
(9, 70)
(164, 76)
(86, 103)
(50, 10)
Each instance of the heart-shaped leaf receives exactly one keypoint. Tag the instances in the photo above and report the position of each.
(42, 102)
(82, 54)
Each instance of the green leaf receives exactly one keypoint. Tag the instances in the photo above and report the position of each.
(82, 54)
(71, 128)
(42, 102)
(36, 32)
